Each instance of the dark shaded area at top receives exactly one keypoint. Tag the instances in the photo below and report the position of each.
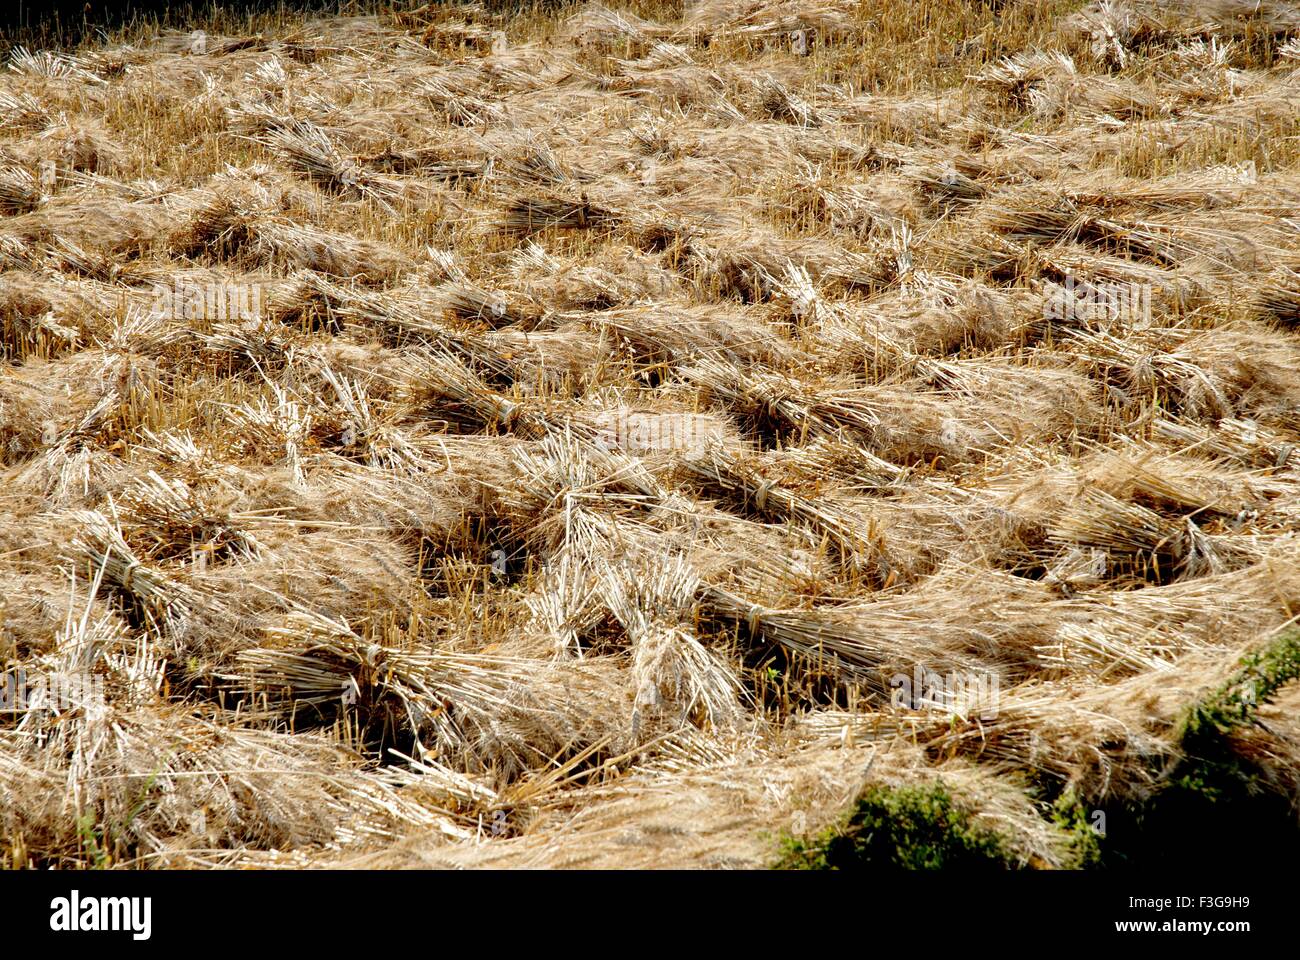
(64, 23)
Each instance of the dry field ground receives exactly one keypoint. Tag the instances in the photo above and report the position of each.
(624, 436)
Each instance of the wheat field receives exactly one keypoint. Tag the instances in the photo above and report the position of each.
(624, 436)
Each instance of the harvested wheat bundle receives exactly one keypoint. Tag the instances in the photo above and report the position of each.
(770, 19)
(18, 191)
(433, 162)
(566, 609)
(495, 714)
(860, 548)
(166, 606)
(929, 522)
(467, 302)
(866, 343)
(458, 105)
(1085, 288)
(1093, 96)
(93, 264)
(1052, 219)
(982, 254)
(676, 679)
(304, 562)
(1215, 187)
(438, 26)
(1280, 298)
(1118, 740)
(170, 520)
(1113, 634)
(744, 267)
(396, 503)
(252, 344)
(219, 221)
(933, 318)
(431, 14)
(177, 449)
(1075, 569)
(462, 37)
(1147, 543)
(822, 460)
(667, 71)
(596, 24)
(1102, 743)
(776, 101)
(200, 44)
(1048, 402)
(305, 300)
(256, 117)
(874, 643)
(1264, 104)
(1257, 371)
(904, 117)
(828, 648)
(896, 424)
(1117, 30)
(309, 148)
(944, 184)
(915, 428)
(349, 421)
(872, 208)
(399, 320)
(1050, 87)
(534, 160)
(337, 254)
(604, 506)
(1151, 365)
(650, 434)
(1016, 76)
(113, 230)
(51, 66)
(796, 287)
(611, 282)
(282, 427)
(42, 319)
(1241, 441)
(16, 254)
(67, 474)
(655, 335)
(97, 387)
(566, 470)
(528, 215)
(1176, 483)
(87, 148)
(564, 361)
(463, 797)
(60, 623)
(221, 787)
(465, 401)
(772, 403)
(23, 111)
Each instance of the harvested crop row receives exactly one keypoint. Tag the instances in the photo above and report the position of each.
(623, 436)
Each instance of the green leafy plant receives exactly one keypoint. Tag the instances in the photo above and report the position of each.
(908, 828)
(92, 836)
(1211, 781)
(1070, 814)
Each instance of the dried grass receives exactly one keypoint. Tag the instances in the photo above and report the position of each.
(629, 399)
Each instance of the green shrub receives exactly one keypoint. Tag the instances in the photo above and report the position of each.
(909, 828)
(1212, 808)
